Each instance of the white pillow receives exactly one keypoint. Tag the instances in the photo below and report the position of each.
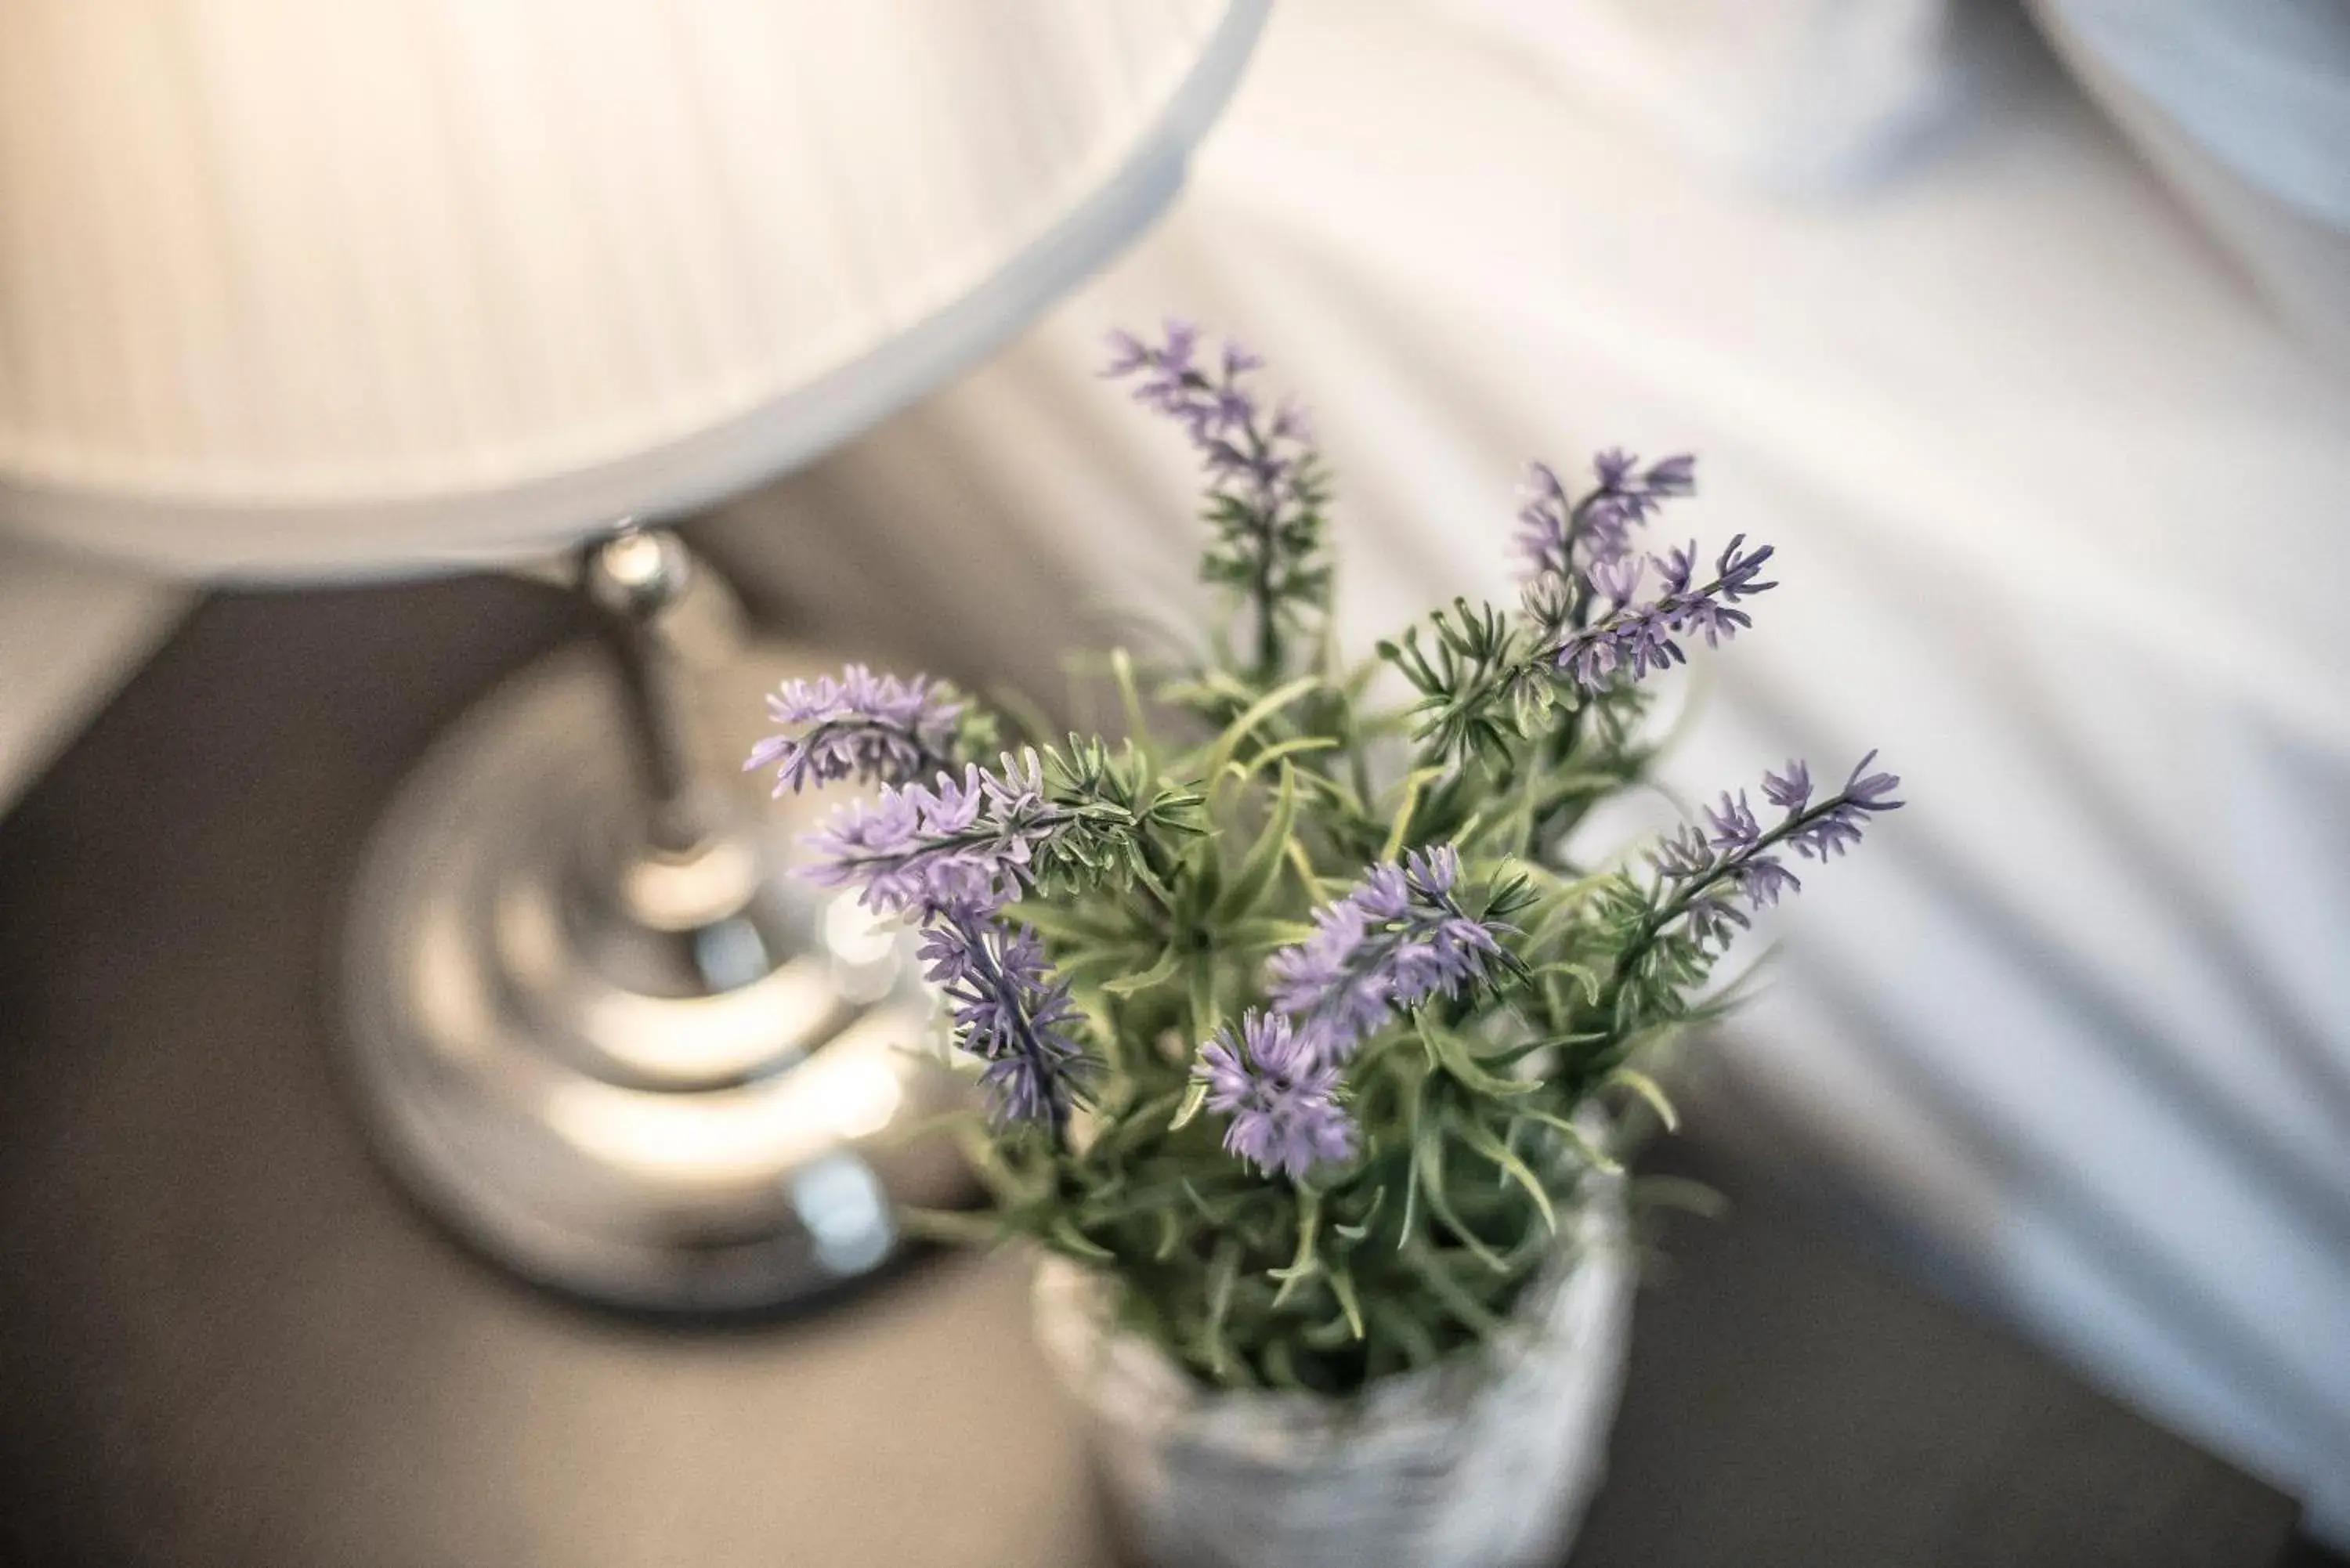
(1797, 95)
(2243, 107)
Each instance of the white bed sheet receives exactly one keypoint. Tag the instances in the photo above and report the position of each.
(2065, 527)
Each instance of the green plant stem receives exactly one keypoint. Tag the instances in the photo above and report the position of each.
(1268, 626)
(1682, 902)
(1578, 610)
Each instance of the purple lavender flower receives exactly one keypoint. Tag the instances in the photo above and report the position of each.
(1627, 497)
(1733, 824)
(1394, 940)
(1545, 524)
(1616, 470)
(1632, 642)
(1128, 354)
(1011, 1013)
(1764, 880)
(1836, 826)
(874, 728)
(1219, 412)
(1637, 639)
(1790, 791)
(1263, 494)
(1292, 422)
(1559, 535)
(1684, 853)
(1618, 580)
(1674, 476)
(917, 850)
(1730, 866)
(1283, 1100)
(1716, 916)
(1874, 792)
(1725, 872)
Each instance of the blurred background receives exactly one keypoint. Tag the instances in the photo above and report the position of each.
(2022, 331)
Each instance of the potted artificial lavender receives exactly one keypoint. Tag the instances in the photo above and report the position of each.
(1301, 1033)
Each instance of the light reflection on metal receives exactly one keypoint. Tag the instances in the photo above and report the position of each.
(451, 1012)
(868, 956)
(752, 1025)
(730, 955)
(849, 1090)
(697, 1112)
(669, 893)
(845, 1211)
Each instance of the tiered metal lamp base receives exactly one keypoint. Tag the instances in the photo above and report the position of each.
(595, 1024)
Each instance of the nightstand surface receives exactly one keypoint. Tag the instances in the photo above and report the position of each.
(225, 1339)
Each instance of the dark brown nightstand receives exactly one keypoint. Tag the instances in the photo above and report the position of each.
(225, 1339)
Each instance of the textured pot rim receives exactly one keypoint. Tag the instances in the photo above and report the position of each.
(1585, 1291)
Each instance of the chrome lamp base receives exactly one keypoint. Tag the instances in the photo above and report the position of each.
(593, 1022)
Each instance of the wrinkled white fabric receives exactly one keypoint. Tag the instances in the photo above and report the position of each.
(2263, 85)
(2062, 519)
(2244, 106)
(1795, 95)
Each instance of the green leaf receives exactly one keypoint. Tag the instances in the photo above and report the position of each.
(1587, 979)
(1679, 1192)
(1362, 1227)
(1481, 1139)
(1342, 1284)
(1062, 1231)
(1222, 1276)
(1105, 967)
(1060, 922)
(1570, 785)
(961, 1120)
(1207, 1211)
(1304, 866)
(1261, 864)
(1591, 1152)
(1227, 743)
(1450, 1052)
(1334, 1335)
(1202, 886)
(1303, 1266)
(1241, 772)
(1281, 1367)
(1264, 932)
(1414, 782)
(1194, 1097)
(1446, 1289)
(1129, 697)
(1428, 1153)
(1203, 996)
(1412, 1101)
(1124, 1127)
(1647, 1088)
(1406, 1330)
(955, 1227)
(1533, 701)
(1157, 974)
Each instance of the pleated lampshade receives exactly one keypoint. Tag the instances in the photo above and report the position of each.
(291, 289)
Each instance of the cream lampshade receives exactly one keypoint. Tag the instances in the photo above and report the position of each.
(289, 287)
(302, 290)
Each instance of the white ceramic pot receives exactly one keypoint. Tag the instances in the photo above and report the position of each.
(1487, 1461)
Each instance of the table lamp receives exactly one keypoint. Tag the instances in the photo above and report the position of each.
(304, 293)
